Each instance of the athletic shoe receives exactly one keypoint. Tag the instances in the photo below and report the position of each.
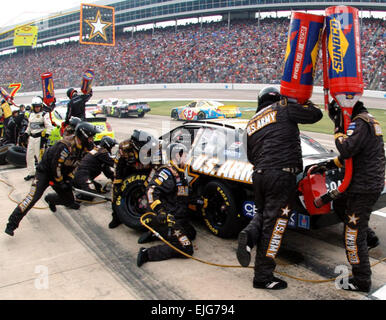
(274, 284)
(50, 204)
(243, 250)
(142, 257)
(353, 285)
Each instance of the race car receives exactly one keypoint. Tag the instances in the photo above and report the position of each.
(220, 178)
(59, 115)
(205, 109)
(123, 108)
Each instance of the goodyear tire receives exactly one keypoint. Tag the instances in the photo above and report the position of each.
(141, 114)
(3, 152)
(220, 210)
(16, 155)
(132, 203)
(201, 116)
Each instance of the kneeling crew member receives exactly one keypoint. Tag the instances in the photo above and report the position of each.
(56, 169)
(167, 195)
(92, 165)
(274, 149)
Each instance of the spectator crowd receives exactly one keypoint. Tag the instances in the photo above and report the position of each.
(246, 51)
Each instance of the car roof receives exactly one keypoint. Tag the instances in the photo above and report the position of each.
(230, 123)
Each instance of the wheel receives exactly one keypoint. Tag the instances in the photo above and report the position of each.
(132, 203)
(3, 152)
(16, 155)
(174, 114)
(141, 115)
(220, 210)
(201, 116)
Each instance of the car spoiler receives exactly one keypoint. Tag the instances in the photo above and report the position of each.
(96, 119)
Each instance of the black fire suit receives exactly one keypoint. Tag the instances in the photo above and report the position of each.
(92, 165)
(56, 169)
(167, 193)
(274, 149)
(363, 142)
(77, 107)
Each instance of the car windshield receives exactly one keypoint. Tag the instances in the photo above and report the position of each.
(311, 147)
(60, 113)
(219, 143)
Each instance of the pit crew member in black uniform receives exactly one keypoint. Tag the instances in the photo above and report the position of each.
(77, 105)
(273, 147)
(14, 127)
(363, 142)
(167, 195)
(127, 161)
(55, 169)
(92, 165)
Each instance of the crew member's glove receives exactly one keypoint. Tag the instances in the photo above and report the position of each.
(335, 114)
(165, 218)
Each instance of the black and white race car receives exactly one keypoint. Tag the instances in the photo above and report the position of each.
(123, 108)
(220, 178)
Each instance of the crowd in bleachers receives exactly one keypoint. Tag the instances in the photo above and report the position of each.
(249, 51)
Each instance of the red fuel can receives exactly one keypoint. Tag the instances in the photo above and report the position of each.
(301, 56)
(48, 88)
(87, 79)
(344, 58)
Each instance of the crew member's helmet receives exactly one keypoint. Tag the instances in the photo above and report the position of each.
(15, 111)
(74, 121)
(267, 96)
(140, 138)
(70, 92)
(37, 102)
(85, 131)
(108, 143)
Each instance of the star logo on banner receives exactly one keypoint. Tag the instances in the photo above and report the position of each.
(353, 219)
(285, 211)
(98, 26)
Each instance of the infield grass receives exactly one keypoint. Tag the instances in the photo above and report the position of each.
(163, 108)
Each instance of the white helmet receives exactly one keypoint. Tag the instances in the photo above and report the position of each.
(37, 101)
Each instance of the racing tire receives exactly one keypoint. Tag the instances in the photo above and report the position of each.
(141, 115)
(220, 210)
(17, 155)
(3, 153)
(132, 203)
(174, 114)
(201, 116)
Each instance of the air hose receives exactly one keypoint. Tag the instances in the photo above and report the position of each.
(143, 222)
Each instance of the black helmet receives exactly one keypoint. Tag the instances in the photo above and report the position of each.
(176, 148)
(107, 142)
(85, 130)
(140, 138)
(70, 92)
(74, 121)
(267, 96)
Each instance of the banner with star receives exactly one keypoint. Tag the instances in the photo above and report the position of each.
(97, 25)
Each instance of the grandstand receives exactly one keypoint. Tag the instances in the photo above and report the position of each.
(241, 48)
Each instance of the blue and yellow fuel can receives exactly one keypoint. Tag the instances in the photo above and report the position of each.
(48, 88)
(304, 38)
(87, 79)
(344, 55)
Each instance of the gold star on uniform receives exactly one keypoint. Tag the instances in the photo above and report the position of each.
(353, 219)
(285, 211)
(177, 233)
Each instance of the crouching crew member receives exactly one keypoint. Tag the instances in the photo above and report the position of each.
(56, 169)
(273, 147)
(92, 165)
(167, 195)
(39, 125)
(128, 161)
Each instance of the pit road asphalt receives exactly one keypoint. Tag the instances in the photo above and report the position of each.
(73, 255)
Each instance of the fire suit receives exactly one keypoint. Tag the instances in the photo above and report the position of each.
(274, 149)
(39, 126)
(56, 169)
(363, 142)
(77, 107)
(96, 161)
(167, 193)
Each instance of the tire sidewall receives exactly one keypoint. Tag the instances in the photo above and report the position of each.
(128, 189)
(231, 225)
(16, 155)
